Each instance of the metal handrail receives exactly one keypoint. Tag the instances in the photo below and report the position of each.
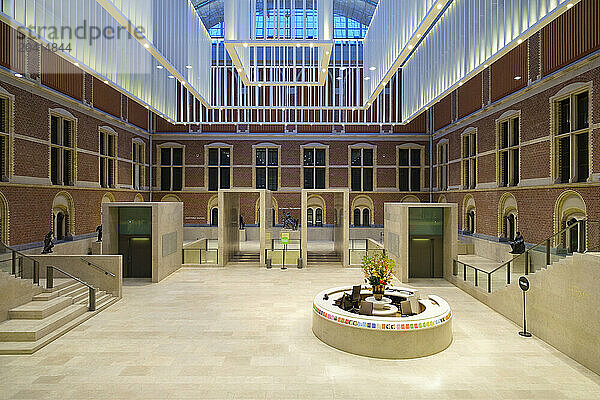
(91, 264)
(50, 284)
(544, 242)
(17, 260)
(526, 254)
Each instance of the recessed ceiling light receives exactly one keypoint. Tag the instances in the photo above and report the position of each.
(372, 69)
(517, 78)
(146, 45)
(171, 77)
(159, 67)
(18, 75)
(367, 78)
(188, 66)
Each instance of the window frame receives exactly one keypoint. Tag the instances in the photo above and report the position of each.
(314, 148)
(470, 160)
(110, 135)
(171, 166)
(8, 136)
(410, 167)
(140, 163)
(362, 147)
(62, 118)
(572, 135)
(207, 165)
(267, 167)
(442, 166)
(509, 150)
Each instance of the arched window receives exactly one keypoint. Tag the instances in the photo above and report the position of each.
(214, 216)
(319, 217)
(569, 209)
(507, 217)
(366, 219)
(60, 225)
(469, 221)
(510, 226)
(3, 219)
(63, 211)
(363, 211)
(356, 219)
(316, 215)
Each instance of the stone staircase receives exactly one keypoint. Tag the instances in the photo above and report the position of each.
(244, 258)
(48, 316)
(316, 259)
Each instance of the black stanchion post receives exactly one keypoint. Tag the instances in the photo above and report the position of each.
(524, 285)
(283, 262)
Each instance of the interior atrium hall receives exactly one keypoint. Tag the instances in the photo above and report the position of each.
(300, 199)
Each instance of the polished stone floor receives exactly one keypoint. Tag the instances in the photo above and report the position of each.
(246, 333)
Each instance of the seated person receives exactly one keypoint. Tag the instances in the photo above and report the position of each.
(518, 246)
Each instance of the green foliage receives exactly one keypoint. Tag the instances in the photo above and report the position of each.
(378, 269)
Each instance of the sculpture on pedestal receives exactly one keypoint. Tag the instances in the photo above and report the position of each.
(289, 222)
(518, 246)
(48, 243)
(99, 231)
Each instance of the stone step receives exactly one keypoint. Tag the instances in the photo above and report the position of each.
(39, 309)
(14, 348)
(84, 297)
(59, 284)
(45, 296)
(72, 290)
(30, 330)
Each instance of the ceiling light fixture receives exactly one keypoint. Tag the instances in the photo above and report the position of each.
(188, 66)
(106, 82)
(76, 64)
(569, 5)
(367, 78)
(18, 75)
(372, 69)
(517, 78)
(159, 67)
(171, 77)
(520, 41)
(146, 45)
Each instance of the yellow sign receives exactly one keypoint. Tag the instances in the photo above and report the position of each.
(285, 238)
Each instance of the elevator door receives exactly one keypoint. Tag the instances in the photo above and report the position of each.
(420, 258)
(137, 257)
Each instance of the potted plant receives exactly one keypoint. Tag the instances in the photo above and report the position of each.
(378, 269)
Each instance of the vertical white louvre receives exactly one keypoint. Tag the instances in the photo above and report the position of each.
(468, 35)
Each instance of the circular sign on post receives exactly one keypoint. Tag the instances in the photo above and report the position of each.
(524, 283)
